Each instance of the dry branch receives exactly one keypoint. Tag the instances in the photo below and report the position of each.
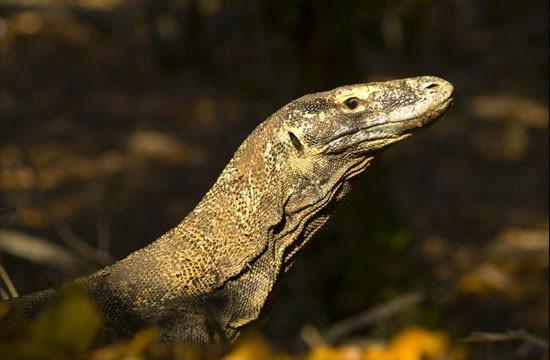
(80, 246)
(510, 335)
(37, 250)
(7, 281)
(341, 329)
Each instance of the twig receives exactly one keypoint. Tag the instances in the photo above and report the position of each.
(7, 281)
(311, 336)
(371, 316)
(509, 335)
(3, 294)
(80, 246)
(38, 250)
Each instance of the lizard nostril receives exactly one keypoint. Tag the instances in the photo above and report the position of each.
(432, 86)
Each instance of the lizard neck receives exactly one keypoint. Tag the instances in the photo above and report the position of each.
(223, 246)
(224, 259)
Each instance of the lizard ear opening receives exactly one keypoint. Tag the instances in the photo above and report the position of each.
(295, 141)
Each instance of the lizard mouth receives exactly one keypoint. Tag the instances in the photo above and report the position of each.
(439, 110)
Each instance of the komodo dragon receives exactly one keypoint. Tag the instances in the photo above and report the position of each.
(213, 275)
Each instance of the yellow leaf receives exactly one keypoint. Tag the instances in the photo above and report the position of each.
(346, 352)
(141, 346)
(144, 340)
(254, 348)
(416, 343)
(69, 322)
(376, 353)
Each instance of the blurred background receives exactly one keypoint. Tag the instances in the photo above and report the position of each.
(116, 117)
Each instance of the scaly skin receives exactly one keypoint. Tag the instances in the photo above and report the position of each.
(213, 275)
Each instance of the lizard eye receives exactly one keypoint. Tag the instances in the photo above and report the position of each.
(351, 103)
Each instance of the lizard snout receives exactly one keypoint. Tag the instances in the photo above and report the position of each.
(438, 89)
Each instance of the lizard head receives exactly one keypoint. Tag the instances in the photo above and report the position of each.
(365, 118)
(328, 135)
